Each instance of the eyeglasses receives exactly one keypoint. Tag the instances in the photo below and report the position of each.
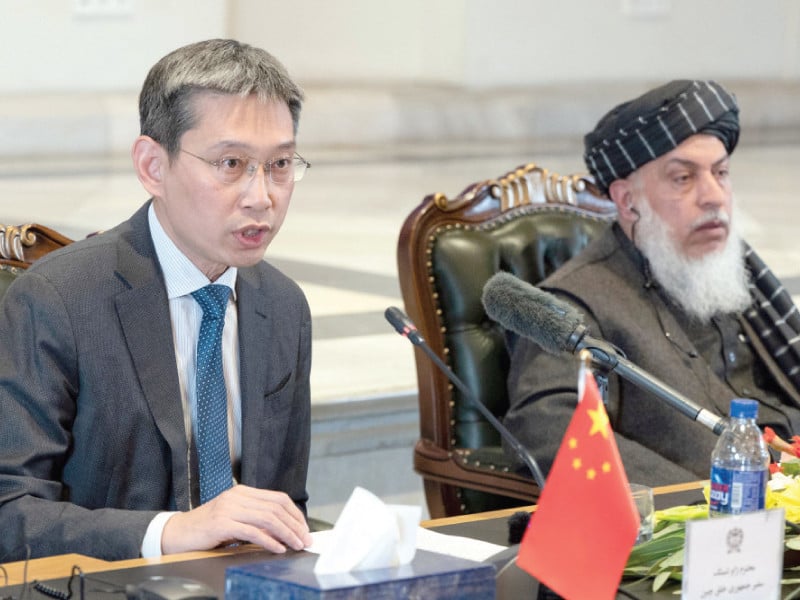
(230, 169)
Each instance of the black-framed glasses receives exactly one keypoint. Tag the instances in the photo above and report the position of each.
(231, 169)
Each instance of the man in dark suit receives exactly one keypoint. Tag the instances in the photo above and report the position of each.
(673, 286)
(104, 430)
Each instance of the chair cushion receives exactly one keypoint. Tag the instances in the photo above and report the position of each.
(530, 243)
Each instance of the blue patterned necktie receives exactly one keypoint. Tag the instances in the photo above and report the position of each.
(213, 449)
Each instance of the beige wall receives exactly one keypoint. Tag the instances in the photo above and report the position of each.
(380, 75)
(527, 42)
(47, 47)
(601, 41)
(361, 40)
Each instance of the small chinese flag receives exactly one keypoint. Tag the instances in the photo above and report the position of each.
(579, 538)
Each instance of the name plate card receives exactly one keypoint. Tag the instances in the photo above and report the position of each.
(739, 557)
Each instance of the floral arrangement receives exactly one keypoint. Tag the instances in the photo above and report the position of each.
(662, 557)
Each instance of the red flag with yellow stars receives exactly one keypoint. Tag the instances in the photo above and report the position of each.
(579, 538)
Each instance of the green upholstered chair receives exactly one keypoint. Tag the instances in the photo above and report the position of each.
(20, 245)
(528, 222)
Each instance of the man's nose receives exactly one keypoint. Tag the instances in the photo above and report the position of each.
(259, 188)
(711, 190)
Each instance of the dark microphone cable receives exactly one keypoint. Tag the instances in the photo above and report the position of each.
(406, 328)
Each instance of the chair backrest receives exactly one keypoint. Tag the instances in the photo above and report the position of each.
(21, 245)
(527, 222)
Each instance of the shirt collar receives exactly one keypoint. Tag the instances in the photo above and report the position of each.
(181, 276)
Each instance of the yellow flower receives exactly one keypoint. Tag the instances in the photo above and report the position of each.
(786, 495)
(788, 498)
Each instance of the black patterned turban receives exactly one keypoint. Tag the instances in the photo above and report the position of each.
(636, 132)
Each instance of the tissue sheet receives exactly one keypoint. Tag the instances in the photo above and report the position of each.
(370, 535)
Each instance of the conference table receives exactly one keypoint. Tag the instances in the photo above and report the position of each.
(102, 576)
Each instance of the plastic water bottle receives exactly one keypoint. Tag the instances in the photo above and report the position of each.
(739, 463)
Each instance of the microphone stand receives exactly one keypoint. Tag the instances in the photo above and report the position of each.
(607, 358)
(407, 329)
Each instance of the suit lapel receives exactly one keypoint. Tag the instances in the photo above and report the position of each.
(256, 328)
(143, 311)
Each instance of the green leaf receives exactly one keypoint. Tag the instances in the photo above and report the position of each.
(790, 468)
(674, 560)
(657, 548)
(683, 513)
(660, 580)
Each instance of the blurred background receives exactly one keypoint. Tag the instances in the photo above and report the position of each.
(403, 99)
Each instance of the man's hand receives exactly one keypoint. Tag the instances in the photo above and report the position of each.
(263, 517)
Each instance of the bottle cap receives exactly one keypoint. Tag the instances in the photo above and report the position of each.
(743, 408)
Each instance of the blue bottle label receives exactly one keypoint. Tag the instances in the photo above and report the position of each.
(734, 492)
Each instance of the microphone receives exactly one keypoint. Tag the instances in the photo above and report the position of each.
(558, 328)
(405, 327)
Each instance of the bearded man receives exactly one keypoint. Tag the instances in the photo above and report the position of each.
(673, 286)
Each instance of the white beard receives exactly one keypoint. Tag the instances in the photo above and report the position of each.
(716, 283)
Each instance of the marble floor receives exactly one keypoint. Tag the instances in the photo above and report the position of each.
(339, 243)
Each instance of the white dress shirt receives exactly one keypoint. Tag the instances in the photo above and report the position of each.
(182, 278)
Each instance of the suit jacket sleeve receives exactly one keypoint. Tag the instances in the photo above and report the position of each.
(39, 383)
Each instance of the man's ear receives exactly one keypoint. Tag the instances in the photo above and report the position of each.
(621, 192)
(150, 161)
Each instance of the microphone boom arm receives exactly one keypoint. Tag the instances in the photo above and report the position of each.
(487, 414)
(604, 356)
(407, 329)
